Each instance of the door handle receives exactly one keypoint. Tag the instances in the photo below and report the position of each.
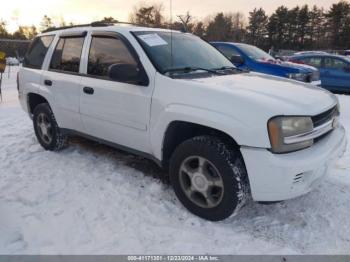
(48, 82)
(88, 90)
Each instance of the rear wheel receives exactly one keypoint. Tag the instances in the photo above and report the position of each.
(209, 178)
(46, 129)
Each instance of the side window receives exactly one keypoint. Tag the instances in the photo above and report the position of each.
(313, 61)
(66, 56)
(106, 51)
(334, 63)
(229, 52)
(37, 51)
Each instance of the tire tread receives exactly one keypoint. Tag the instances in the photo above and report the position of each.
(233, 161)
(60, 140)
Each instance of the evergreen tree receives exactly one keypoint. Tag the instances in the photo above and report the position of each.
(257, 28)
(220, 28)
(199, 29)
(292, 25)
(278, 27)
(338, 19)
(303, 23)
(315, 19)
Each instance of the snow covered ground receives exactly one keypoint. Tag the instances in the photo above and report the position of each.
(90, 198)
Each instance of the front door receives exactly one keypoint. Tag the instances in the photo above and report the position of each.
(117, 112)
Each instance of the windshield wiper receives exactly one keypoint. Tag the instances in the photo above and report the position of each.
(189, 69)
(231, 68)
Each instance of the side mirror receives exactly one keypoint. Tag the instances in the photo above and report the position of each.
(125, 73)
(237, 60)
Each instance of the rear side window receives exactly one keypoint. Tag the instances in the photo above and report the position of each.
(106, 51)
(313, 61)
(37, 52)
(66, 56)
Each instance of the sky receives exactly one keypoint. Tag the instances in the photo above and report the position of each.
(28, 12)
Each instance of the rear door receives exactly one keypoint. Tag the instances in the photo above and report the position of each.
(118, 112)
(63, 80)
(336, 77)
(30, 73)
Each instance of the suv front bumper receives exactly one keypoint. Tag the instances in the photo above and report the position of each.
(276, 177)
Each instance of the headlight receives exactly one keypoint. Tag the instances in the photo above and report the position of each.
(281, 128)
(297, 76)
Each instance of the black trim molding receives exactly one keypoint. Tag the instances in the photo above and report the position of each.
(114, 145)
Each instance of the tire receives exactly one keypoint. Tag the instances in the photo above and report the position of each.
(53, 140)
(226, 189)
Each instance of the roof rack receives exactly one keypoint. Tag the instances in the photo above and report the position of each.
(93, 24)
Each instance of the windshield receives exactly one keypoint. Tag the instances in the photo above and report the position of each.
(188, 51)
(255, 53)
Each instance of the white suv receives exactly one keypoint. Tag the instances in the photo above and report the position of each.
(222, 133)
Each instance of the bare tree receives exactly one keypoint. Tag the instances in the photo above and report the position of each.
(148, 15)
(3, 30)
(186, 21)
(109, 19)
(46, 23)
(238, 26)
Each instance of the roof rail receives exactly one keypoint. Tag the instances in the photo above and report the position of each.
(93, 24)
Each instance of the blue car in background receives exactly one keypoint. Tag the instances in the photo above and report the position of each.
(334, 69)
(251, 58)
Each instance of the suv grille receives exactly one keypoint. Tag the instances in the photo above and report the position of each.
(324, 118)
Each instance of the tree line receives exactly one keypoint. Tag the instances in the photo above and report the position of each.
(301, 27)
(29, 32)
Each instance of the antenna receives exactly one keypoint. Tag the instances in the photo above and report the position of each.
(171, 34)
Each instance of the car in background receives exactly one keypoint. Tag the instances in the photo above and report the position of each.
(347, 53)
(334, 69)
(311, 53)
(12, 61)
(252, 58)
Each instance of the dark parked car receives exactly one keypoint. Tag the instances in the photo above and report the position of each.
(334, 69)
(254, 59)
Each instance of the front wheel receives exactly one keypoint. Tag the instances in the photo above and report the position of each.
(46, 129)
(209, 179)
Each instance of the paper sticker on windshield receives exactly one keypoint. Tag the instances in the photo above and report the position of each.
(153, 39)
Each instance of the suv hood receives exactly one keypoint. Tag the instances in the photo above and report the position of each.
(280, 95)
(306, 68)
